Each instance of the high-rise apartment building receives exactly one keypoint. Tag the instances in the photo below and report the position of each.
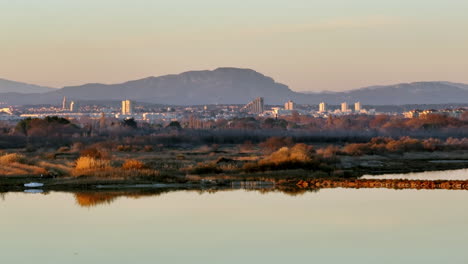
(64, 103)
(344, 107)
(357, 107)
(322, 107)
(72, 106)
(255, 107)
(289, 105)
(127, 108)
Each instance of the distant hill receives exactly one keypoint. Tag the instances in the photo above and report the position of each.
(460, 85)
(7, 86)
(239, 86)
(405, 93)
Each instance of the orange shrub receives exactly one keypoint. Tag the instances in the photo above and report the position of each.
(133, 165)
(88, 163)
(274, 143)
(11, 158)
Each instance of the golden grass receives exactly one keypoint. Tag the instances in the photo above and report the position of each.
(87, 163)
(298, 153)
(63, 168)
(117, 173)
(18, 169)
(87, 166)
(133, 165)
(11, 158)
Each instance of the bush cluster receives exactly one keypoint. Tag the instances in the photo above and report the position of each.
(381, 145)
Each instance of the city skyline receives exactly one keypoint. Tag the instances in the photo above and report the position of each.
(303, 44)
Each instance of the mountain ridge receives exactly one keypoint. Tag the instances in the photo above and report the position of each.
(8, 86)
(229, 85)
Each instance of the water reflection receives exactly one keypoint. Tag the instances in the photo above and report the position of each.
(456, 180)
(93, 198)
(235, 226)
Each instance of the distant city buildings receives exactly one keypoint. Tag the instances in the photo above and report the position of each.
(72, 106)
(322, 107)
(127, 108)
(357, 107)
(6, 110)
(456, 113)
(344, 107)
(64, 103)
(207, 116)
(255, 107)
(289, 105)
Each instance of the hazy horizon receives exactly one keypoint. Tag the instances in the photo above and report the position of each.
(332, 45)
(304, 91)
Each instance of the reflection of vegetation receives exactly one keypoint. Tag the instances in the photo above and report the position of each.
(95, 198)
(384, 183)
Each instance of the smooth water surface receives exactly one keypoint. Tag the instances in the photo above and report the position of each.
(328, 226)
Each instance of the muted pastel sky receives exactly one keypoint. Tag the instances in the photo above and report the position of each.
(307, 44)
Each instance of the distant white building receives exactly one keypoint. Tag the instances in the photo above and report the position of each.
(127, 108)
(357, 107)
(255, 107)
(289, 105)
(322, 107)
(64, 103)
(72, 106)
(344, 107)
(6, 110)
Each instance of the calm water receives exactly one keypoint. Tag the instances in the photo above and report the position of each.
(328, 226)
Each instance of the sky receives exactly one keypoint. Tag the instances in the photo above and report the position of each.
(309, 45)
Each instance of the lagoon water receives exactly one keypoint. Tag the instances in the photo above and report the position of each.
(238, 226)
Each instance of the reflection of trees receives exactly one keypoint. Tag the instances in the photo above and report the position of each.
(95, 198)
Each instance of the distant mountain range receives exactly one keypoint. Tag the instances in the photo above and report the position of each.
(7, 86)
(231, 86)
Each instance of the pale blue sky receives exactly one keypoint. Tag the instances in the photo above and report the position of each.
(308, 45)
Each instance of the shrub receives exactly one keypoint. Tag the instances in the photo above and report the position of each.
(206, 168)
(298, 157)
(247, 146)
(92, 153)
(404, 144)
(10, 158)
(431, 144)
(329, 152)
(274, 143)
(133, 165)
(357, 149)
(124, 148)
(78, 146)
(63, 149)
(301, 152)
(148, 148)
(87, 163)
(298, 153)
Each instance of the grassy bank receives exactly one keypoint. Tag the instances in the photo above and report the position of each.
(277, 160)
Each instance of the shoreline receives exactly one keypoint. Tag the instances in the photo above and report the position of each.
(254, 181)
